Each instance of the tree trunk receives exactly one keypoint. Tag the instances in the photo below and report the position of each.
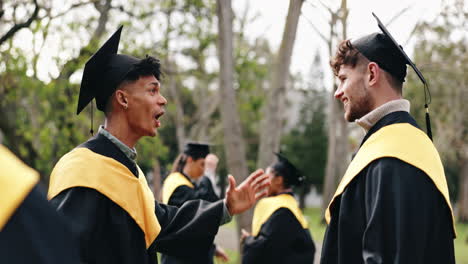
(330, 181)
(303, 191)
(179, 108)
(337, 158)
(463, 193)
(270, 134)
(171, 69)
(157, 181)
(233, 140)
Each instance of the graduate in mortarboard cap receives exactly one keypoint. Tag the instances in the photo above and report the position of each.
(392, 205)
(31, 231)
(100, 189)
(187, 181)
(280, 231)
(181, 184)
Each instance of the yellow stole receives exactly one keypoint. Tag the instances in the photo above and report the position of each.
(404, 142)
(82, 167)
(171, 183)
(16, 181)
(267, 206)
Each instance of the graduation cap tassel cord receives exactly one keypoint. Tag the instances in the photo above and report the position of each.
(427, 101)
(428, 122)
(427, 93)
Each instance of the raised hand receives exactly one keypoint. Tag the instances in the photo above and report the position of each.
(239, 199)
(211, 162)
(221, 254)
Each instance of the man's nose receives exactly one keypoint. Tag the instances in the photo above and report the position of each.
(163, 100)
(338, 93)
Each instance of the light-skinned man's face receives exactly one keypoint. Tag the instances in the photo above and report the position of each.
(353, 92)
(145, 106)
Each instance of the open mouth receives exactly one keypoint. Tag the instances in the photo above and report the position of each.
(156, 118)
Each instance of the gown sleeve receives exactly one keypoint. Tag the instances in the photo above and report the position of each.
(35, 233)
(107, 233)
(403, 205)
(202, 191)
(188, 231)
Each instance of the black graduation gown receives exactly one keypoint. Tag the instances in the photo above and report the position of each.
(108, 234)
(391, 212)
(202, 191)
(30, 229)
(281, 239)
(35, 233)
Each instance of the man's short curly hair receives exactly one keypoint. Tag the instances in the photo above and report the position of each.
(346, 55)
(146, 67)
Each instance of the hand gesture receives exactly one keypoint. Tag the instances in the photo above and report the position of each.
(211, 162)
(221, 254)
(241, 198)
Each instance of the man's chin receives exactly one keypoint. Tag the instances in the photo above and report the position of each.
(152, 133)
(348, 117)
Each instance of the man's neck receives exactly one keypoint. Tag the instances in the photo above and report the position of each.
(371, 118)
(121, 131)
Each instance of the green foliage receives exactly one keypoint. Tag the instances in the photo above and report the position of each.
(150, 149)
(38, 113)
(306, 144)
(441, 54)
(252, 65)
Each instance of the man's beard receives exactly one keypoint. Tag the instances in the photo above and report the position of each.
(361, 106)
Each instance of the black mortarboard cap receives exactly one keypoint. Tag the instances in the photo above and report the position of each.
(383, 49)
(103, 73)
(378, 47)
(286, 169)
(196, 150)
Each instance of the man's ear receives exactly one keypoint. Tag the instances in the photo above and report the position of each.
(121, 97)
(374, 73)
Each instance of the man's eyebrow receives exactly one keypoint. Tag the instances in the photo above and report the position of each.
(156, 83)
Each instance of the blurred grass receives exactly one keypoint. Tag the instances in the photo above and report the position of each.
(233, 257)
(461, 244)
(317, 229)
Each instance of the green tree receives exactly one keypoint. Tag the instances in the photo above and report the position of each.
(441, 54)
(306, 144)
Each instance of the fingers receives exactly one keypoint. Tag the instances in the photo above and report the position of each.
(261, 194)
(232, 182)
(261, 182)
(254, 175)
